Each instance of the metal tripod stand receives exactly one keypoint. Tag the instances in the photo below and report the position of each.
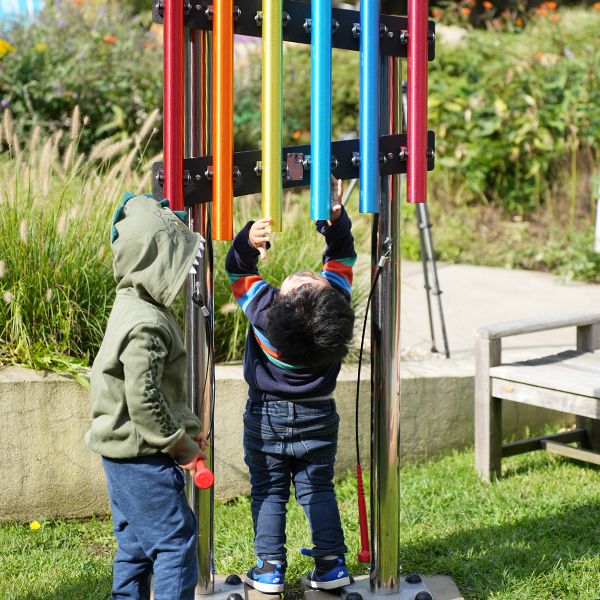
(428, 258)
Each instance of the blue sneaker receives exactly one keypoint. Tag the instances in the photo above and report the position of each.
(328, 574)
(267, 577)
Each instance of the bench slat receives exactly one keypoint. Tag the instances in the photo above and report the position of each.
(568, 372)
(500, 330)
(584, 406)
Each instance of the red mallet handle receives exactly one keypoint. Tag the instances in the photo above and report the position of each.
(364, 556)
(204, 477)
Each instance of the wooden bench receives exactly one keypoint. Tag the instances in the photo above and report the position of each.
(568, 382)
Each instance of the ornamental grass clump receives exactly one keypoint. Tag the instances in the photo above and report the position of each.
(56, 284)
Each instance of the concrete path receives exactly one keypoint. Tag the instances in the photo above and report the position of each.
(476, 296)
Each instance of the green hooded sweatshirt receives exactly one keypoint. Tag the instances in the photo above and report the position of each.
(138, 382)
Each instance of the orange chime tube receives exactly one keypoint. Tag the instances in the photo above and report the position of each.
(222, 181)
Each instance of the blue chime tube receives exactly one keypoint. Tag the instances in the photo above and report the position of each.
(369, 106)
(320, 113)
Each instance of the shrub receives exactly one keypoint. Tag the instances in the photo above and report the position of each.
(101, 59)
(296, 95)
(512, 110)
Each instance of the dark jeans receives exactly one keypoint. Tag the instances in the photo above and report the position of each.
(292, 442)
(155, 529)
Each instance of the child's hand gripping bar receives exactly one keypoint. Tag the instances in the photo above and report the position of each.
(204, 477)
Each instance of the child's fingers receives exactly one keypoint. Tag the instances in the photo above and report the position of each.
(261, 230)
(264, 222)
(263, 252)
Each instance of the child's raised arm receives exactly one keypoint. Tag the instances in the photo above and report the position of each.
(339, 256)
(249, 289)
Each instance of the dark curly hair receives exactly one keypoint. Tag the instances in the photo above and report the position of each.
(311, 326)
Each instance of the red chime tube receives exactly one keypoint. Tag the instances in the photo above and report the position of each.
(417, 101)
(223, 120)
(173, 103)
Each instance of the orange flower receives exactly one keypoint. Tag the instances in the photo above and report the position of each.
(519, 21)
(487, 5)
(596, 6)
(297, 134)
(466, 11)
(110, 39)
(78, 1)
(437, 13)
(555, 18)
(550, 5)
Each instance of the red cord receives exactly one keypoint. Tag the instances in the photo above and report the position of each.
(364, 556)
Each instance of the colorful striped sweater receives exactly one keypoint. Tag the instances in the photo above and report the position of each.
(268, 376)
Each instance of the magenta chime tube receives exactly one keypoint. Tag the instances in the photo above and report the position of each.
(416, 130)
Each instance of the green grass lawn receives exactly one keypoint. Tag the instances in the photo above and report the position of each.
(534, 535)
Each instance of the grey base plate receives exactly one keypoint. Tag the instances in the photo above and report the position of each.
(252, 594)
(440, 588)
(222, 590)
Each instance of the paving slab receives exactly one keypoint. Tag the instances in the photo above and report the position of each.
(475, 296)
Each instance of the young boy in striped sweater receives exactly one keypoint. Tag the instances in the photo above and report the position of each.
(297, 338)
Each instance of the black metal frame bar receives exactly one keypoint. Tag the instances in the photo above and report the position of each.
(345, 165)
(297, 21)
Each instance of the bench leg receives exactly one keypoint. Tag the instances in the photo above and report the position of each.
(488, 438)
(592, 428)
(488, 412)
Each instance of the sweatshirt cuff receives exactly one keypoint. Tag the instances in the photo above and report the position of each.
(338, 229)
(183, 448)
(242, 244)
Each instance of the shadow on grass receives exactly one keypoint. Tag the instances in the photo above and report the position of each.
(87, 587)
(513, 470)
(500, 558)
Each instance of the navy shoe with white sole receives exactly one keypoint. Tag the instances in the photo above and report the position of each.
(267, 577)
(328, 574)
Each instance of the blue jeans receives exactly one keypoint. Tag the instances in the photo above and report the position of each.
(155, 529)
(292, 442)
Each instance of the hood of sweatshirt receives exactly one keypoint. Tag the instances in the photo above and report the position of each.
(153, 249)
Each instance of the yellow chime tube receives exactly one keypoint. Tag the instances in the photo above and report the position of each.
(272, 42)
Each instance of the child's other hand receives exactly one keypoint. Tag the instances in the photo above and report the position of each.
(259, 235)
(337, 193)
(201, 440)
(191, 466)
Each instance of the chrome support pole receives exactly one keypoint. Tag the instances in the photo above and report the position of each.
(199, 315)
(385, 331)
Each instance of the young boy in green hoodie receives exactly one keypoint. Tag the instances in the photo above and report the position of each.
(141, 424)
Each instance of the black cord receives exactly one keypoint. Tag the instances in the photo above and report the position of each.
(209, 366)
(362, 344)
(199, 302)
